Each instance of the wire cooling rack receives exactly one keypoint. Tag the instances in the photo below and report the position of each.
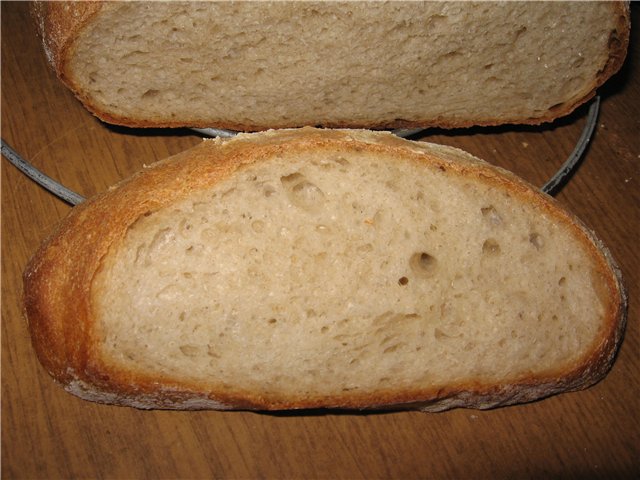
(550, 187)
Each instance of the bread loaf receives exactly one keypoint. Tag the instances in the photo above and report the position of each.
(258, 65)
(317, 268)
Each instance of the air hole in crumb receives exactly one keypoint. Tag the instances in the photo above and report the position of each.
(324, 329)
(307, 193)
(257, 226)
(151, 93)
(342, 161)
(393, 348)
(439, 334)
(292, 178)
(536, 240)
(301, 192)
(491, 215)
(422, 264)
(386, 339)
(577, 62)
(403, 280)
(562, 281)
(490, 247)
(228, 192)
(556, 106)
(189, 350)
(272, 321)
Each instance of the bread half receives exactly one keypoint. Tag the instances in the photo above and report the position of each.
(258, 65)
(323, 268)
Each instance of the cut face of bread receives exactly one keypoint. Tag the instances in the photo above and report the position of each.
(312, 269)
(257, 65)
(334, 272)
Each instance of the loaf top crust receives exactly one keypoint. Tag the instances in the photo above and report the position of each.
(256, 65)
(403, 306)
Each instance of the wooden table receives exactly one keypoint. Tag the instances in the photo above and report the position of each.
(47, 433)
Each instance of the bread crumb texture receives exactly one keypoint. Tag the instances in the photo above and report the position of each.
(344, 272)
(276, 64)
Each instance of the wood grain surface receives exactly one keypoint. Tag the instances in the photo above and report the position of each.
(47, 433)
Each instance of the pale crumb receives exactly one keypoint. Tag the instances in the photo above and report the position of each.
(163, 68)
(282, 278)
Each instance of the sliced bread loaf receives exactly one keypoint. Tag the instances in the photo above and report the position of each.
(258, 65)
(314, 268)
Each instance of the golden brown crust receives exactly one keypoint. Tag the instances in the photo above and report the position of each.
(57, 282)
(60, 23)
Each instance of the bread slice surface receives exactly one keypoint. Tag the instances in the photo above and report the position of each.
(258, 65)
(312, 268)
